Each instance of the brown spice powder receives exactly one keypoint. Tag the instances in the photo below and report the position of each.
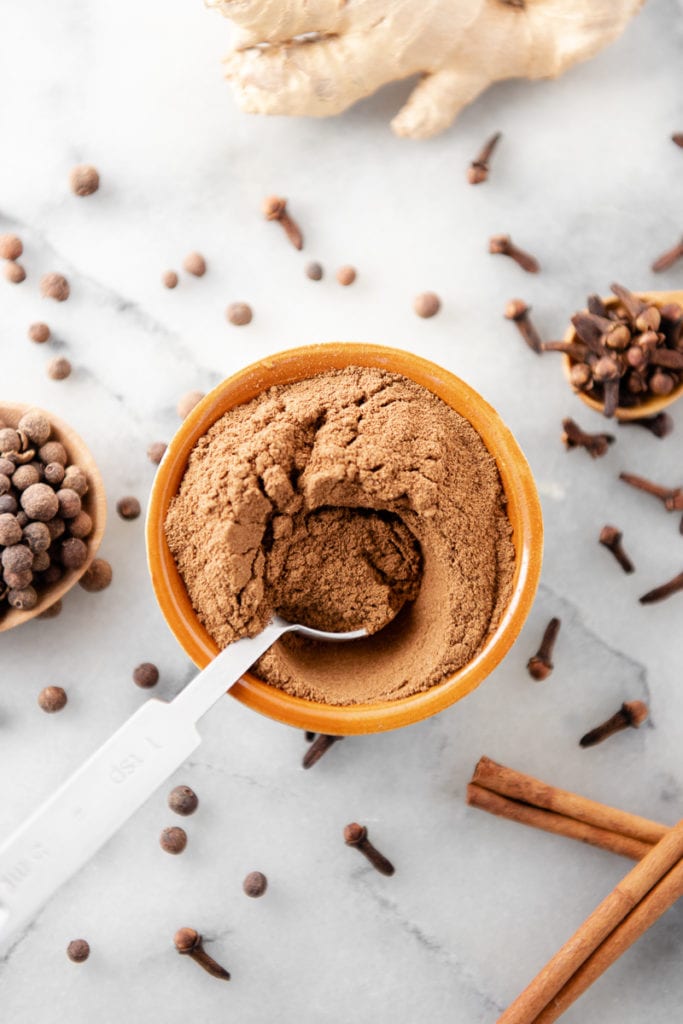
(355, 497)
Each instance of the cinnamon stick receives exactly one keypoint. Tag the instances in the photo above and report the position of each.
(601, 924)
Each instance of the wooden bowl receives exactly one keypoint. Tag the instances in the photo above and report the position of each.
(523, 509)
(651, 406)
(94, 503)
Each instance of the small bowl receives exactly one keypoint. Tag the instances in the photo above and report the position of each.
(94, 503)
(523, 509)
(651, 406)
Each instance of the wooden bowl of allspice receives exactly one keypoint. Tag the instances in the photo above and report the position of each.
(52, 511)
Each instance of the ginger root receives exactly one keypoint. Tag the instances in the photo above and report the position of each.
(317, 57)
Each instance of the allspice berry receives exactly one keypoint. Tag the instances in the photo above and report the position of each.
(9, 440)
(187, 402)
(427, 304)
(54, 473)
(69, 503)
(169, 279)
(37, 536)
(255, 884)
(39, 332)
(84, 179)
(24, 476)
(194, 263)
(73, 553)
(81, 525)
(35, 425)
(40, 502)
(156, 452)
(53, 451)
(54, 286)
(59, 368)
(146, 675)
(10, 530)
(183, 800)
(239, 313)
(75, 480)
(22, 598)
(97, 576)
(173, 840)
(128, 507)
(78, 951)
(14, 272)
(11, 247)
(52, 698)
(346, 275)
(314, 271)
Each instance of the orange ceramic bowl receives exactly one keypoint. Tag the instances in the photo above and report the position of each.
(523, 510)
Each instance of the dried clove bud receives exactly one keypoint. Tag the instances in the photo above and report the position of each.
(478, 170)
(275, 208)
(540, 665)
(631, 714)
(503, 245)
(318, 747)
(660, 425)
(595, 444)
(610, 538)
(518, 311)
(668, 258)
(665, 590)
(189, 943)
(357, 835)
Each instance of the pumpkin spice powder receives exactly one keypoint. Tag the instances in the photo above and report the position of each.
(352, 498)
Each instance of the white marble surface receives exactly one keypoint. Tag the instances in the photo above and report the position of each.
(586, 178)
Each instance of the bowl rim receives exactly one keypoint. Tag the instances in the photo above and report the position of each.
(518, 484)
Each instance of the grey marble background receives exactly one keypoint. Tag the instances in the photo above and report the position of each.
(587, 179)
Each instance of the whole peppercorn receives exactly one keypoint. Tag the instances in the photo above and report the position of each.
(169, 279)
(25, 476)
(73, 553)
(10, 531)
(9, 440)
(84, 179)
(81, 525)
(39, 332)
(23, 599)
(35, 425)
(255, 884)
(239, 313)
(69, 503)
(187, 402)
(11, 247)
(59, 368)
(54, 286)
(183, 800)
(54, 473)
(427, 304)
(97, 577)
(346, 275)
(173, 839)
(37, 536)
(128, 507)
(39, 502)
(75, 480)
(146, 675)
(78, 951)
(52, 611)
(14, 272)
(314, 271)
(52, 698)
(194, 263)
(156, 451)
(53, 451)
(17, 558)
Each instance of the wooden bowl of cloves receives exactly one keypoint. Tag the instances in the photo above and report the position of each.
(623, 355)
(52, 511)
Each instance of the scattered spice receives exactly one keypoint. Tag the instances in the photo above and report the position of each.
(14, 272)
(39, 332)
(97, 576)
(660, 425)
(59, 368)
(314, 271)
(502, 245)
(427, 304)
(478, 170)
(610, 538)
(666, 590)
(309, 736)
(668, 258)
(671, 497)
(156, 451)
(357, 835)
(677, 139)
(255, 884)
(173, 840)
(518, 311)
(52, 699)
(318, 747)
(187, 402)
(128, 507)
(84, 179)
(146, 675)
(11, 247)
(169, 279)
(183, 800)
(631, 714)
(595, 444)
(78, 951)
(189, 943)
(239, 313)
(54, 286)
(346, 275)
(195, 264)
(540, 665)
(275, 208)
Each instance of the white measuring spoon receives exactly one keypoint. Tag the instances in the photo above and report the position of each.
(108, 788)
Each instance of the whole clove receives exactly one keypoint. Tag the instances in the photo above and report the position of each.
(660, 425)
(319, 746)
(665, 590)
(611, 538)
(595, 444)
(518, 311)
(478, 171)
